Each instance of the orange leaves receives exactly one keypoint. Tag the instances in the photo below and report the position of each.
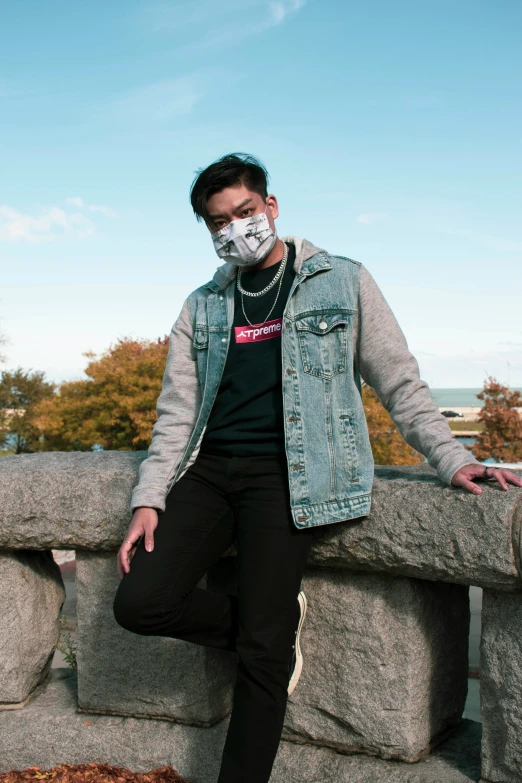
(388, 445)
(114, 407)
(91, 773)
(501, 438)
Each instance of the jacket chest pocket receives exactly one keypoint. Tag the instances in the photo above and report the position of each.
(323, 341)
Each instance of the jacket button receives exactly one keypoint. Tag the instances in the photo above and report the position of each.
(323, 325)
(223, 339)
(221, 297)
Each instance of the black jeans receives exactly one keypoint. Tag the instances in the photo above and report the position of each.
(159, 596)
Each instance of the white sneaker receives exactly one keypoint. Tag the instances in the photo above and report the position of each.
(297, 657)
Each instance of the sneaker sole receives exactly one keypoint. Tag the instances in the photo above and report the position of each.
(298, 655)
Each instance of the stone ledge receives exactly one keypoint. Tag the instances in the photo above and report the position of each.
(49, 731)
(417, 525)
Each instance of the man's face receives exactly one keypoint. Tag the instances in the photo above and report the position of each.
(238, 203)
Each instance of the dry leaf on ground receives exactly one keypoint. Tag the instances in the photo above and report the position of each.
(91, 773)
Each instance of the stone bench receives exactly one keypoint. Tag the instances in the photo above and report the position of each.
(386, 635)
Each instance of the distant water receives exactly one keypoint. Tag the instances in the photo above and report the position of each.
(467, 441)
(460, 398)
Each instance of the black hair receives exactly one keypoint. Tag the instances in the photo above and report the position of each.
(232, 170)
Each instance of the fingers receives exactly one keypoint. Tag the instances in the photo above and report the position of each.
(470, 487)
(149, 537)
(503, 476)
(496, 473)
(123, 559)
(143, 523)
(127, 550)
(466, 476)
(512, 478)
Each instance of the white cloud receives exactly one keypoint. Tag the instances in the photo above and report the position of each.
(107, 211)
(165, 17)
(269, 15)
(281, 10)
(371, 217)
(51, 223)
(161, 101)
(76, 201)
(214, 24)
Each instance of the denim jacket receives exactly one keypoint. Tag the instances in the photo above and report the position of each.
(337, 329)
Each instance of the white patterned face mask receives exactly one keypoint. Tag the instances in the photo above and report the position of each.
(245, 242)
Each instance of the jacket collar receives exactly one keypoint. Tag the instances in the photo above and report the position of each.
(308, 260)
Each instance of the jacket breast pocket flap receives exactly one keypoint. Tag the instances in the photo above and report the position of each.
(322, 321)
(323, 339)
(200, 337)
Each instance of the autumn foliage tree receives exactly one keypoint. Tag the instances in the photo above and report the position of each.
(501, 437)
(388, 445)
(115, 407)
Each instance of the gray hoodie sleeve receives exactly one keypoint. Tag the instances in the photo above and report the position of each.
(177, 408)
(386, 364)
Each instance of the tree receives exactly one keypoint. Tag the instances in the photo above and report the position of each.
(20, 393)
(115, 407)
(388, 445)
(3, 341)
(501, 437)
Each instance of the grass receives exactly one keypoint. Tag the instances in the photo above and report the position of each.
(66, 644)
(466, 426)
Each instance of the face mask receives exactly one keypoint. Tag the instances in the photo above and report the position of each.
(245, 242)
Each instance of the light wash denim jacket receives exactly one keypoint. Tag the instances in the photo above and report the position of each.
(337, 328)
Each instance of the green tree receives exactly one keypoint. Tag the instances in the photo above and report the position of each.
(20, 392)
(501, 437)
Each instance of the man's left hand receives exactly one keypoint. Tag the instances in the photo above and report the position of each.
(464, 477)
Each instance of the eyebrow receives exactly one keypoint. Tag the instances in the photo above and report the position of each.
(236, 209)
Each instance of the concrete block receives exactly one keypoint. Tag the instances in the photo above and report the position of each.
(385, 664)
(67, 500)
(501, 687)
(49, 731)
(417, 525)
(122, 673)
(420, 527)
(30, 602)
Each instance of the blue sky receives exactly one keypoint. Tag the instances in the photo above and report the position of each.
(391, 132)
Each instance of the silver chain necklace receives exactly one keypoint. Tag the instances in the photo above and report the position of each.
(272, 282)
(279, 276)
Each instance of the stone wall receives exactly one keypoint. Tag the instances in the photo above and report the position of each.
(385, 673)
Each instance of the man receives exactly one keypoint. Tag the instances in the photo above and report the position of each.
(260, 414)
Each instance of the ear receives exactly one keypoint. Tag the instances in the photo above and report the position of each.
(272, 205)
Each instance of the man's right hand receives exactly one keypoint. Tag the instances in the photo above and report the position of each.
(143, 523)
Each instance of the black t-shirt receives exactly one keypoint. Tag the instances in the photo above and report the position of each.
(247, 416)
